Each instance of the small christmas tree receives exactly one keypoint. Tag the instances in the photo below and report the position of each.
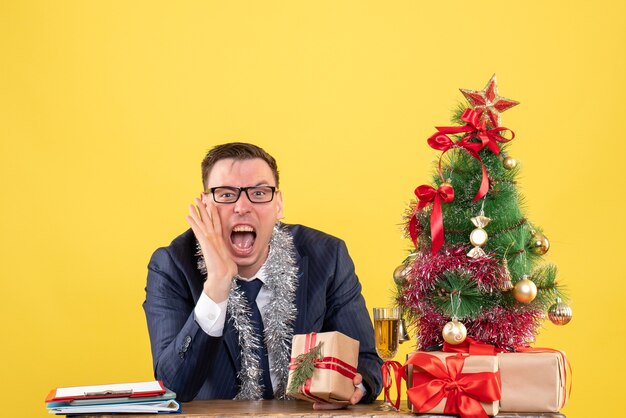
(476, 270)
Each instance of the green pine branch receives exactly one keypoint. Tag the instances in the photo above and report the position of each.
(456, 294)
(547, 288)
(305, 365)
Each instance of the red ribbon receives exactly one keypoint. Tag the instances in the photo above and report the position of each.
(327, 363)
(472, 347)
(433, 381)
(331, 363)
(427, 194)
(473, 128)
(442, 142)
(306, 391)
(398, 373)
(309, 343)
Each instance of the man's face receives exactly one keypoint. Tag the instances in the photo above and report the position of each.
(246, 226)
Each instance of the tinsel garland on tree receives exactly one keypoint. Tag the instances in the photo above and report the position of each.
(492, 282)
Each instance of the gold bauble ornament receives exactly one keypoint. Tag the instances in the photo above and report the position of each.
(400, 273)
(540, 244)
(454, 332)
(525, 290)
(509, 163)
(560, 313)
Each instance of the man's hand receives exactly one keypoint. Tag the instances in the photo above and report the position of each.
(356, 397)
(207, 227)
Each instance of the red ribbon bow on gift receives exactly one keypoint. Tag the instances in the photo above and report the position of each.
(473, 128)
(463, 391)
(427, 194)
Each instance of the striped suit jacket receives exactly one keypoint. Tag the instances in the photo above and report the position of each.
(198, 366)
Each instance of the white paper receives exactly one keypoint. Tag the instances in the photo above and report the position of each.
(138, 387)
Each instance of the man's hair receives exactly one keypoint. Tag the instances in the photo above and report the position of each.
(236, 151)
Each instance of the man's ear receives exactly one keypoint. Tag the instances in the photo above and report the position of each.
(203, 198)
(278, 198)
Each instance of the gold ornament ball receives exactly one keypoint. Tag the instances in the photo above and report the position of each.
(478, 237)
(560, 313)
(540, 244)
(400, 274)
(509, 163)
(525, 290)
(454, 332)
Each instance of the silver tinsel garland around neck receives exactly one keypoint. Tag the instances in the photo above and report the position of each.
(279, 316)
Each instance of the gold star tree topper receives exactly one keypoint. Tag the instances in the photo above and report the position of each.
(488, 104)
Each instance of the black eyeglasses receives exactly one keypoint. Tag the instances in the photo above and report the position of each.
(256, 194)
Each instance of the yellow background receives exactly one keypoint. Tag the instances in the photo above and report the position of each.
(107, 107)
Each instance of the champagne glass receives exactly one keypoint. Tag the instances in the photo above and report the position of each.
(386, 327)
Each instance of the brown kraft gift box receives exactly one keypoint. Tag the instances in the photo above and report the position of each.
(532, 381)
(330, 381)
(473, 364)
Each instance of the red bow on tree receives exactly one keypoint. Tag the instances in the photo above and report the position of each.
(473, 128)
(427, 194)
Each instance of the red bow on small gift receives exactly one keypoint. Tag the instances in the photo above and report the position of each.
(463, 391)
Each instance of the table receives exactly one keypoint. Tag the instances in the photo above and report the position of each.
(295, 409)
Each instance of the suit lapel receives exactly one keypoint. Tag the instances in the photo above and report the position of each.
(232, 344)
(301, 294)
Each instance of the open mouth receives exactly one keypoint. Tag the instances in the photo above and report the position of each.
(242, 238)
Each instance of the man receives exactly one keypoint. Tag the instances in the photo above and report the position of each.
(213, 337)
